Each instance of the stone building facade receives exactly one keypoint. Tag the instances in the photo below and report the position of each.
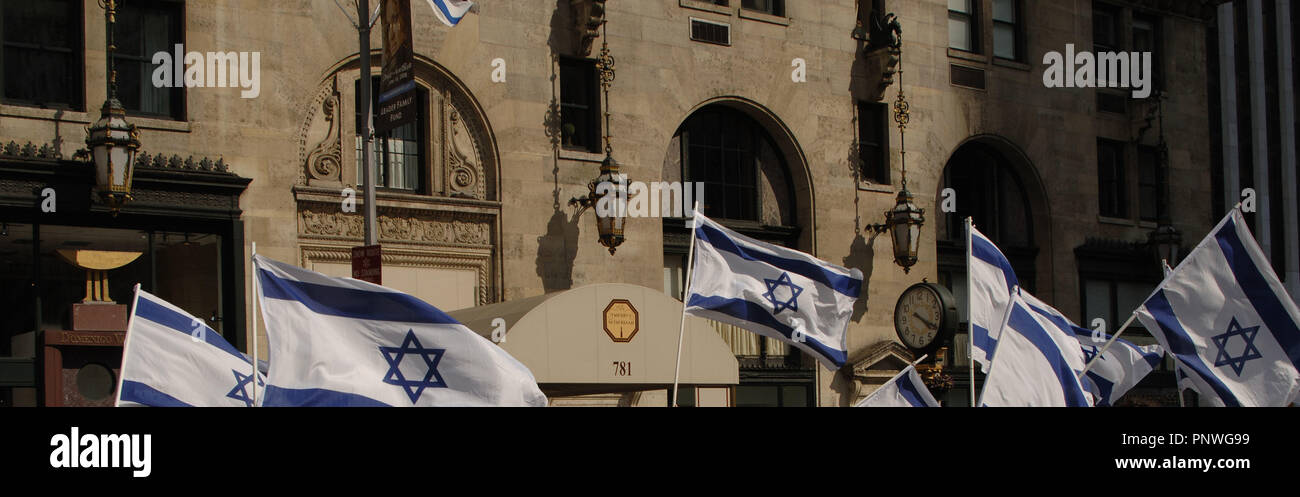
(475, 206)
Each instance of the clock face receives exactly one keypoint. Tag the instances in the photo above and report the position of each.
(918, 317)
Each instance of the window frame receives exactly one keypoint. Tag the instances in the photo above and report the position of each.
(1017, 31)
(972, 20)
(589, 70)
(879, 172)
(76, 72)
(1157, 45)
(1120, 180)
(423, 169)
(777, 8)
(176, 35)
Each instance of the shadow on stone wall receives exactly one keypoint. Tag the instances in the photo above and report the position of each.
(558, 248)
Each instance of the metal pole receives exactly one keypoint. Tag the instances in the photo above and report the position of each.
(970, 326)
(368, 133)
(686, 294)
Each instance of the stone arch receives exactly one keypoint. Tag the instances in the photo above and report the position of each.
(1002, 161)
(791, 152)
(421, 230)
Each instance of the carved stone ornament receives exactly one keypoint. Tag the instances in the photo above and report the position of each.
(325, 162)
(330, 223)
(464, 168)
(588, 15)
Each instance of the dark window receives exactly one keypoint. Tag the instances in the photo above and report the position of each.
(773, 7)
(873, 142)
(1146, 38)
(143, 29)
(580, 104)
(773, 395)
(719, 149)
(399, 153)
(1105, 28)
(43, 51)
(1008, 30)
(1148, 182)
(963, 32)
(1110, 179)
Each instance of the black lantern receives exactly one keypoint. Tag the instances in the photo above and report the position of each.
(112, 141)
(1168, 243)
(904, 221)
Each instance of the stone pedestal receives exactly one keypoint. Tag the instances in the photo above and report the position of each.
(98, 317)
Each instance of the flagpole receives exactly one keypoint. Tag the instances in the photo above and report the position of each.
(1108, 344)
(256, 302)
(121, 372)
(686, 293)
(970, 329)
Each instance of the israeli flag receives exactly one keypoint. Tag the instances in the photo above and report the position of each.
(991, 283)
(904, 390)
(345, 342)
(173, 359)
(1036, 364)
(450, 11)
(1226, 318)
(1117, 370)
(772, 291)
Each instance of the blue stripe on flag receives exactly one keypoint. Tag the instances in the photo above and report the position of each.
(908, 389)
(1259, 292)
(1023, 323)
(182, 324)
(441, 5)
(839, 283)
(133, 391)
(352, 302)
(1104, 388)
(982, 341)
(315, 397)
(754, 313)
(1181, 346)
(1150, 358)
(985, 251)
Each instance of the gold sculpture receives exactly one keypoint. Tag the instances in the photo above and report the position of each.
(97, 263)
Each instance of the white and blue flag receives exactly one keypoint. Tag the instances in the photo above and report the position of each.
(904, 390)
(450, 11)
(991, 283)
(1227, 320)
(173, 359)
(1036, 364)
(345, 342)
(1117, 370)
(773, 291)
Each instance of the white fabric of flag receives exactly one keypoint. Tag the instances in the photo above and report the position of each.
(1036, 364)
(173, 359)
(1118, 370)
(903, 390)
(991, 283)
(773, 291)
(450, 11)
(345, 342)
(1226, 318)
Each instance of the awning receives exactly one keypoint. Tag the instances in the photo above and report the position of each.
(608, 337)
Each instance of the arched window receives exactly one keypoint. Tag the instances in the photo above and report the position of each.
(747, 187)
(991, 193)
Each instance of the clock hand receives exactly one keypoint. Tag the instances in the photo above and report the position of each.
(926, 321)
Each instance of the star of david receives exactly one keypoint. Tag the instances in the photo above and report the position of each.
(1249, 352)
(432, 357)
(779, 305)
(1089, 353)
(240, 392)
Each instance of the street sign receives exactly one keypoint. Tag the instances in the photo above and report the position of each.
(367, 264)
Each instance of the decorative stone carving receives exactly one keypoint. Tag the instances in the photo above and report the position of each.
(588, 15)
(397, 228)
(325, 162)
(464, 168)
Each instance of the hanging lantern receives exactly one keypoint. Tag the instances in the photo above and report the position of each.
(113, 144)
